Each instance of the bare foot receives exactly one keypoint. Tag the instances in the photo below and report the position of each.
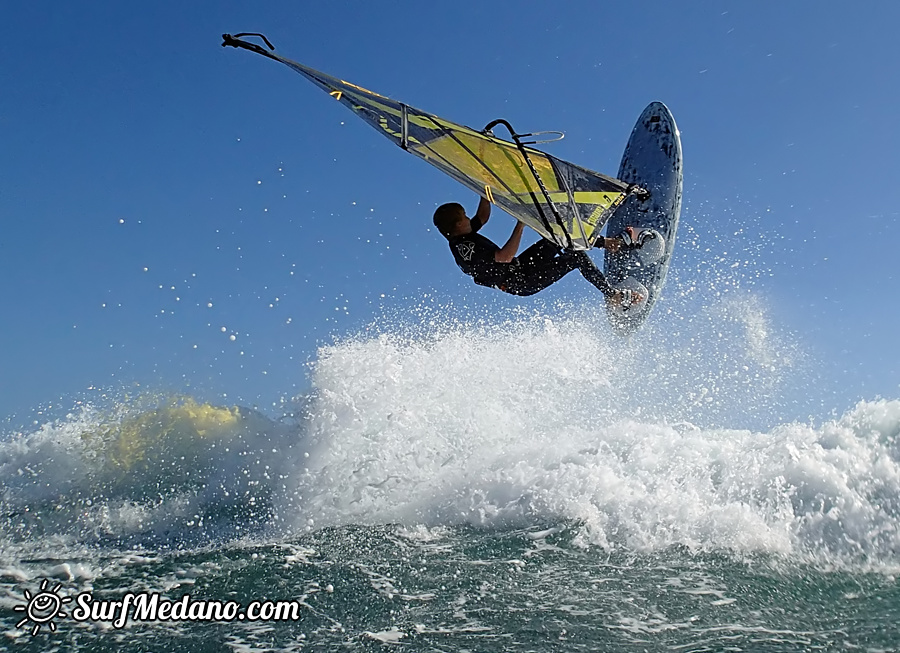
(619, 297)
(615, 245)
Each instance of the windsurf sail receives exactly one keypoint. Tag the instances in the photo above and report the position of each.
(564, 202)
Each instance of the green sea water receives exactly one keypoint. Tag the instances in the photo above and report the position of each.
(458, 589)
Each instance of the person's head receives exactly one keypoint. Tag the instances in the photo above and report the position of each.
(450, 219)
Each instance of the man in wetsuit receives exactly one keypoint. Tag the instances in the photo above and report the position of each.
(538, 267)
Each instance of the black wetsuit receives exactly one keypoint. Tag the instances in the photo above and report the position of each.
(539, 266)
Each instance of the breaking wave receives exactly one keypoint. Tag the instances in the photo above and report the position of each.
(674, 438)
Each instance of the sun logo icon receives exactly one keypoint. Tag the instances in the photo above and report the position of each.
(43, 608)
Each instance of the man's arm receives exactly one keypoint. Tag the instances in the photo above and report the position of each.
(508, 252)
(482, 215)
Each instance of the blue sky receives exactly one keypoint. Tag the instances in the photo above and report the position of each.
(160, 194)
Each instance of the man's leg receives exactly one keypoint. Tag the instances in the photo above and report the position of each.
(539, 267)
(544, 263)
(624, 297)
(592, 273)
(539, 253)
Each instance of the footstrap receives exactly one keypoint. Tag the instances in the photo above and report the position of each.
(643, 235)
(627, 242)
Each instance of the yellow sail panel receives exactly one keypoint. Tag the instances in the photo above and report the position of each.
(493, 162)
(490, 160)
(571, 208)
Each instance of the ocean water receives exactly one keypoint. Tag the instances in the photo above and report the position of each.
(525, 483)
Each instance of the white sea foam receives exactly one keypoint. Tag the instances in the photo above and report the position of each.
(540, 419)
(535, 420)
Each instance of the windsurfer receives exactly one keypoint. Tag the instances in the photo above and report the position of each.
(538, 267)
